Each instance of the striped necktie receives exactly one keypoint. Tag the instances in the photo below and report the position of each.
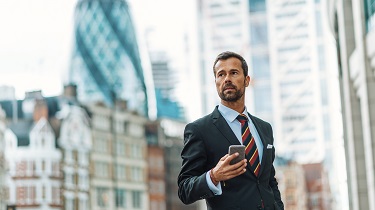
(248, 141)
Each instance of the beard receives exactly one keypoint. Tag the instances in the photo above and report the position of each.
(231, 96)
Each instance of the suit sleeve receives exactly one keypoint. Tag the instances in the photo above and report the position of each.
(192, 184)
(273, 182)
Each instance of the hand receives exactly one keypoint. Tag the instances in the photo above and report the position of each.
(224, 171)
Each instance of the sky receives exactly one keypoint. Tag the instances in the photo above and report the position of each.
(36, 39)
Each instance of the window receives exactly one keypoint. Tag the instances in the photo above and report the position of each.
(120, 128)
(26, 195)
(69, 179)
(56, 195)
(137, 199)
(101, 122)
(102, 196)
(323, 91)
(137, 174)
(136, 130)
(370, 14)
(136, 151)
(44, 192)
(257, 5)
(262, 99)
(326, 127)
(56, 169)
(260, 66)
(69, 204)
(152, 139)
(318, 22)
(83, 204)
(102, 169)
(83, 181)
(120, 198)
(120, 148)
(321, 58)
(101, 145)
(259, 33)
(120, 172)
(156, 187)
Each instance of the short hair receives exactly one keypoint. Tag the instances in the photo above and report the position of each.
(228, 54)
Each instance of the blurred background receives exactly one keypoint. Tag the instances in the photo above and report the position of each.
(95, 95)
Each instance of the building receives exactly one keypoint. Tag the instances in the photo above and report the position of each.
(156, 166)
(284, 44)
(222, 26)
(291, 178)
(259, 60)
(68, 124)
(318, 188)
(2, 160)
(301, 82)
(165, 83)
(107, 59)
(172, 142)
(353, 26)
(34, 179)
(287, 45)
(118, 160)
(75, 144)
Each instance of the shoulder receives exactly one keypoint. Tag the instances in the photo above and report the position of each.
(257, 119)
(203, 120)
(260, 122)
(206, 120)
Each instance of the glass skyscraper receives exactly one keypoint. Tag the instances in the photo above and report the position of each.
(106, 62)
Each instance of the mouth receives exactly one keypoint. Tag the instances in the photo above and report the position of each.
(229, 88)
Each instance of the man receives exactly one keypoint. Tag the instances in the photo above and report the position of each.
(206, 172)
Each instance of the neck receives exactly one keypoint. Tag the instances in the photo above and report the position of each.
(238, 106)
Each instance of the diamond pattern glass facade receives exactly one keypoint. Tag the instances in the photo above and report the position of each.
(106, 62)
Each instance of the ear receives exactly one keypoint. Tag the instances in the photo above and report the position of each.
(247, 80)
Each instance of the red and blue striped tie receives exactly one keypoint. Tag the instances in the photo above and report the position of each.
(248, 141)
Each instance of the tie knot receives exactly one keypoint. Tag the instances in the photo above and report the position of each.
(242, 118)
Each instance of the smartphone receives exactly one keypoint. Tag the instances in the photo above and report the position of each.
(241, 151)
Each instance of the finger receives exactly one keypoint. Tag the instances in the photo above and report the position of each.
(224, 157)
(236, 168)
(239, 164)
(236, 172)
(232, 175)
(232, 156)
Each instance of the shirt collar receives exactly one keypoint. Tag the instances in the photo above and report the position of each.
(230, 114)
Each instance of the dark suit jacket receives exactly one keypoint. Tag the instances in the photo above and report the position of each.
(207, 140)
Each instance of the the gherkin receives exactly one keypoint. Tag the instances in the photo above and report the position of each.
(106, 63)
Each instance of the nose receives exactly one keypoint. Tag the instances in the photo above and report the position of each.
(227, 79)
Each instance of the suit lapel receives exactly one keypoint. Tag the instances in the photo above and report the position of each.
(223, 127)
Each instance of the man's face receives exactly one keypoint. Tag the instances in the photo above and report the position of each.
(230, 79)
